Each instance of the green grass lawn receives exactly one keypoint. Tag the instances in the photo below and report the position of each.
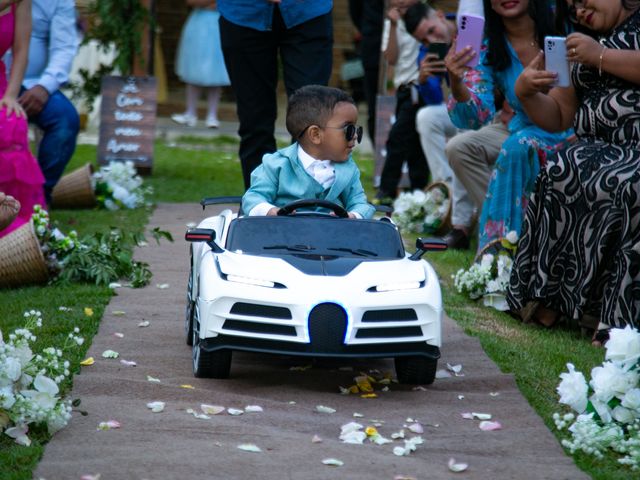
(191, 168)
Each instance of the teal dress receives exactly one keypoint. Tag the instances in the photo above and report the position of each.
(521, 155)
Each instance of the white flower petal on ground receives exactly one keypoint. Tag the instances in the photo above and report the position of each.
(19, 435)
(397, 435)
(162, 286)
(118, 313)
(352, 433)
(234, 411)
(323, 409)
(380, 440)
(152, 379)
(253, 409)
(357, 415)
(200, 416)
(144, 323)
(128, 363)
(249, 447)
(488, 426)
(441, 373)
(110, 354)
(212, 409)
(115, 285)
(333, 462)
(403, 477)
(460, 397)
(494, 394)
(420, 388)
(156, 407)
(455, 369)
(573, 389)
(623, 344)
(399, 451)
(91, 477)
(457, 467)
(316, 439)
(416, 428)
(118, 335)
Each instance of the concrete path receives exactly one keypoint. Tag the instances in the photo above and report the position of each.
(174, 444)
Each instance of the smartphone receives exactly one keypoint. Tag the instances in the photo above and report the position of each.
(470, 33)
(555, 59)
(439, 49)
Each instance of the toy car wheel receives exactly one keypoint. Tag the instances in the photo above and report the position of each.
(208, 364)
(188, 314)
(416, 370)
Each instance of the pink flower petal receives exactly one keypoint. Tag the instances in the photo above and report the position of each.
(488, 426)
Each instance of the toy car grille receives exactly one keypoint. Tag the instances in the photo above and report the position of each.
(395, 315)
(255, 327)
(327, 327)
(256, 310)
(389, 332)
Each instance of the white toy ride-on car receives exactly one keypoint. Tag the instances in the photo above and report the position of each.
(311, 284)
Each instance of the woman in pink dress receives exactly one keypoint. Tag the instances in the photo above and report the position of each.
(20, 175)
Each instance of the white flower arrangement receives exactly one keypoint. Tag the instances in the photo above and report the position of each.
(29, 382)
(419, 211)
(606, 410)
(489, 278)
(118, 185)
(54, 244)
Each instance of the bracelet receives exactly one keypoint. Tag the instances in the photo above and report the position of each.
(600, 61)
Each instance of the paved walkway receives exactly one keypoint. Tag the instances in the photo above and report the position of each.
(174, 444)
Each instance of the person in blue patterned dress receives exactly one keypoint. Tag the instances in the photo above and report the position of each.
(514, 32)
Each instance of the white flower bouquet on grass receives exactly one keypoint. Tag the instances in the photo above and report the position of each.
(118, 185)
(605, 412)
(488, 277)
(54, 244)
(422, 211)
(29, 382)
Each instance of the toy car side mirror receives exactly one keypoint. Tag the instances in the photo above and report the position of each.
(207, 235)
(424, 245)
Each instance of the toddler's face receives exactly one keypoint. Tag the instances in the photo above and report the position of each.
(334, 145)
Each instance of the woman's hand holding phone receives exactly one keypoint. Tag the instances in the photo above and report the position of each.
(534, 79)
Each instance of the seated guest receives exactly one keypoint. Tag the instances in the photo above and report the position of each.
(53, 46)
(514, 34)
(319, 164)
(579, 254)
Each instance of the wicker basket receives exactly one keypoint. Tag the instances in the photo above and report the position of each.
(21, 260)
(445, 226)
(75, 190)
(493, 247)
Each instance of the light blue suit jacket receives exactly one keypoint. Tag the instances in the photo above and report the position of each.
(282, 179)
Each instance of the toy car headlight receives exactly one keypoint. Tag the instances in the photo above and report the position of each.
(258, 282)
(393, 287)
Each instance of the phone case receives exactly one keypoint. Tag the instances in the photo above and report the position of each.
(470, 33)
(555, 59)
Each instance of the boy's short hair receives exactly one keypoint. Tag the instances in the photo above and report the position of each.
(414, 15)
(313, 105)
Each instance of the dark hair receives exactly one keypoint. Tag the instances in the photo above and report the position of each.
(313, 105)
(498, 52)
(414, 15)
(564, 26)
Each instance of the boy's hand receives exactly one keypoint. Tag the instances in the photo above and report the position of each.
(431, 65)
(351, 215)
(273, 212)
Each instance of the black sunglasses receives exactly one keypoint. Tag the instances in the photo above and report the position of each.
(573, 10)
(350, 131)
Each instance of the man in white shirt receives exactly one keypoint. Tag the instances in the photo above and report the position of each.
(54, 43)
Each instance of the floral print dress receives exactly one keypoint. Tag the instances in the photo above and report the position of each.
(521, 155)
(580, 247)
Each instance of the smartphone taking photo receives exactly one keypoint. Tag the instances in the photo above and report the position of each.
(555, 60)
(470, 33)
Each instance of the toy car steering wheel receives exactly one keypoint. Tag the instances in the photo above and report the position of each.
(289, 208)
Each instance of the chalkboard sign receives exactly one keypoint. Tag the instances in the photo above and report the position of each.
(128, 121)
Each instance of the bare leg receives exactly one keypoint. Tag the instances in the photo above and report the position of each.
(213, 97)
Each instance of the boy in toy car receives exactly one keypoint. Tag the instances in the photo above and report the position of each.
(319, 164)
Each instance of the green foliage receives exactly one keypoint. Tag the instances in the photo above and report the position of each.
(119, 23)
(107, 257)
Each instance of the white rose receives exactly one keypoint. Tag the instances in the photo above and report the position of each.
(623, 415)
(612, 379)
(573, 389)
(487, 260)
(631, 399)
(512, 237)
(602, 409)
(623, 344)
